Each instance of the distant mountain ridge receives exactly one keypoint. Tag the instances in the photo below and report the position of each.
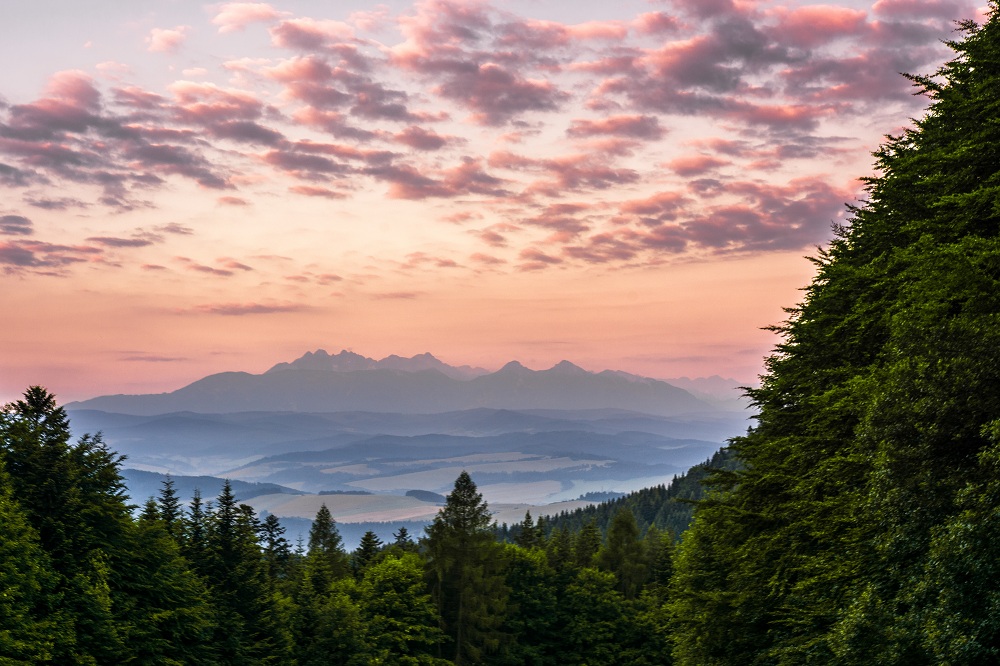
(347, 361)
(320, 382)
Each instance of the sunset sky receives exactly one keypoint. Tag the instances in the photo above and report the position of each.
(190, 188)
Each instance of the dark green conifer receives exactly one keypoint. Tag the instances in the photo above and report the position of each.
(465, 572)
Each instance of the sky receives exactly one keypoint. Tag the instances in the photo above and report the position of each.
(191, 188)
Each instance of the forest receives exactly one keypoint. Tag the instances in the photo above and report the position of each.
(854, 523)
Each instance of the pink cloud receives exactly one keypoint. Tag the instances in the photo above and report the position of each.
(15, 225)
(421, 139)
(204, 103)
(312, 191)
(116, 242)
(566, 173)
(42, 257)
(397, 295)
(233, 201)
(693, 165)
(468, 177)
(535, 259)
(656, 23)
(813, 25)
(639, 127)
(494, 235)
(227, 267)
(461, 48)
(947, 10)
(305, 166)
(166, 40)
(242, 309)
(310, 34)
(486, 259)
(234, 16)
(660, 207)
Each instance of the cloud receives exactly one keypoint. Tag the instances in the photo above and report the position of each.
(226, 267)
(566, 173)
(420, 138)
(694, 165)
(166, 40)
(112, 241)
(638, 127)
(243, 309)
(397, 295)
(236, 16)
(946, 10)
(17, 256)
(462, 49)
(152, 358)
(313, 191)
(813, 25)
(15, 225)
(487, 259)
(535, 259)
(174, 228)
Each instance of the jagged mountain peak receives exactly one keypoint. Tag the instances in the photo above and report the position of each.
(566, 368)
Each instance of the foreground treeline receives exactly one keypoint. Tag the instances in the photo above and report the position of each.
(87, 580)
(865, 528)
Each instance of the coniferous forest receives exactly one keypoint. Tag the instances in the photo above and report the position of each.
(855, 523)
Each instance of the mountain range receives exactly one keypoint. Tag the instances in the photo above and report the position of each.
(319, 382)
(367, 437)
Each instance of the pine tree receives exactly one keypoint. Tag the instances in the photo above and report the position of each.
(874, 417)
(30, 626)
(366, 552)
(248, 629)
(587, 545)
(527, 535)
(623, 555)
(397, 608)
(277, 550)
(171, 513)
(73, 496)
(464, 568)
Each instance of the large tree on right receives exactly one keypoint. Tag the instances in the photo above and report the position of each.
(869, 495)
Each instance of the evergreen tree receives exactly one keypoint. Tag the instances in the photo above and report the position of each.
(163, 607)
(326, 560)
(872, 436)
(277, 550)
(30, 625)
(396, 606)
(402, 540)
(366, 552)
(587, 545)
(464, 568)
(528, 535)
(532, 619)
(194, 545)
(73, 496)
(171, 513)
(248, 629)
(559, 549)
(623, 555)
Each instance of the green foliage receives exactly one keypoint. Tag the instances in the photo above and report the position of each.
(465, 574)
(397, 609)
(846, 536)
(667, 506)
(366, 552)
(29, 626)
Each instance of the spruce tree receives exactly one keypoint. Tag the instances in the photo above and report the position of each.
(366, 552)
(830, 545)
(464, 568)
